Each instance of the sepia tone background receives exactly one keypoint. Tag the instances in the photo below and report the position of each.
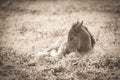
(28, 27)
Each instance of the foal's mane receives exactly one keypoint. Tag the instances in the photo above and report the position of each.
(92, 39)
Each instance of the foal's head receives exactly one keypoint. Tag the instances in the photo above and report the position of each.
(79, 38)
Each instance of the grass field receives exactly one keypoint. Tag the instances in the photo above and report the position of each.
(28, 27)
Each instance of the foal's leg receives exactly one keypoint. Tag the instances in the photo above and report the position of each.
(62, 50)
(56, 45)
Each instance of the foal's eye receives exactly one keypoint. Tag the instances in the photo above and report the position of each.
(71, 38)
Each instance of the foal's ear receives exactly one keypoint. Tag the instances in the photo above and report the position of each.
(80, 24)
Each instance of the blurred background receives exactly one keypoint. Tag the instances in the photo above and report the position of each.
(28, 27)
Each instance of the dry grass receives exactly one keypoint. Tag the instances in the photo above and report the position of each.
(29, 27)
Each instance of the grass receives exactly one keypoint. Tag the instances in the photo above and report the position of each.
(29, 27)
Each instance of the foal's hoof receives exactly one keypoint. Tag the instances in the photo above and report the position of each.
(53, 53)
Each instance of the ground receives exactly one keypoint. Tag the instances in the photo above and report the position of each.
(28, 27)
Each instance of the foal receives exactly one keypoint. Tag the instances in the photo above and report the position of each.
(79, 39)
